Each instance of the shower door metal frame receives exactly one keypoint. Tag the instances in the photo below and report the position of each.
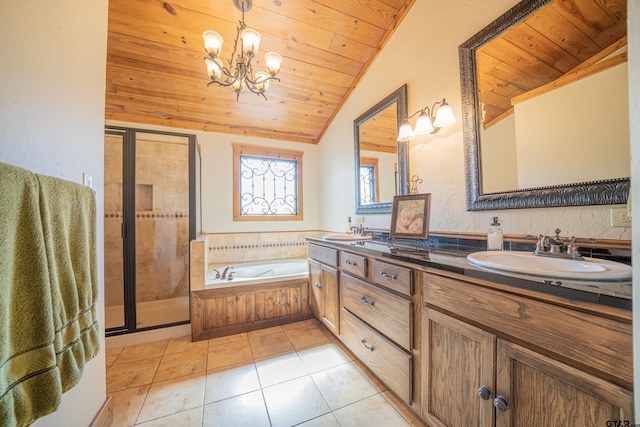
(128, 230)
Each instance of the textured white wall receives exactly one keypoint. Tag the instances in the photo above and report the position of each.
(52, 75)
(633, 25)
(423, 53)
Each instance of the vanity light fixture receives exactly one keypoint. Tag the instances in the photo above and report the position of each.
(430, 121)
(239, 75)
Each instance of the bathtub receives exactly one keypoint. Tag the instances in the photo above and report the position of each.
(250, 273)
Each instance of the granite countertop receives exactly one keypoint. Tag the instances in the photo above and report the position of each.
(614, 294)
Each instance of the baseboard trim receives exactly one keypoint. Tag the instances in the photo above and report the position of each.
(104, 417)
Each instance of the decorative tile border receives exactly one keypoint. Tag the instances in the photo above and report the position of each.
(150, 215)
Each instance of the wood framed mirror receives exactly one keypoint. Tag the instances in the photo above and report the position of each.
(381, 161)
(539, 61)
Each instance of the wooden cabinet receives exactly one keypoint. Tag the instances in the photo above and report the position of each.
(324, 295)
(497, 358)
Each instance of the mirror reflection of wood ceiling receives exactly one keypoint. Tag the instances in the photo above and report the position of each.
(558, 41)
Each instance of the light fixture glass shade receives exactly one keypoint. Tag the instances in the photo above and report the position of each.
(262, 82)
(423, 124)
(273, 61)
(239, 85)
(212, 42)
(444, 116)
(250, 41)
(213, 70)
(406, 133)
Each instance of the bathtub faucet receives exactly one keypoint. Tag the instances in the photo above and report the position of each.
(224, 272)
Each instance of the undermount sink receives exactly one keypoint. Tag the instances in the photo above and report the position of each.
(590, 269)
(346, 237)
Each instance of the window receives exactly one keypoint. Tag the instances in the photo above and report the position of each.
(369, 192)
(267, 184)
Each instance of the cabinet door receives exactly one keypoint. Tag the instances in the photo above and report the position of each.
(458, 359)
(540, 391)
(331, 298)
(316, 301)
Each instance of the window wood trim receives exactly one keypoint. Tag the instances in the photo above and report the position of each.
(373, 162)
(270, 152)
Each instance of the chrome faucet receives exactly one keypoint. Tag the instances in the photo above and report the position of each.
(358, 230)
(224, 272)
(553, 247)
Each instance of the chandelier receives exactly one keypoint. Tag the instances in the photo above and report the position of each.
(239, 74)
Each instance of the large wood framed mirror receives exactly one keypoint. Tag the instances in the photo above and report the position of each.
(545, 106)
(380, 160)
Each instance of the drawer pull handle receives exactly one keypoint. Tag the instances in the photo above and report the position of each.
(484, 393)
(364, 300)
(319, 285)
(366, 345)
(349, 262)
(501, 403)
(385, 275)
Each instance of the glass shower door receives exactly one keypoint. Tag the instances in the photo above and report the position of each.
(161, 229)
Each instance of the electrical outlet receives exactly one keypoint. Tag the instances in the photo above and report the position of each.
(87, 180)
(619, 217)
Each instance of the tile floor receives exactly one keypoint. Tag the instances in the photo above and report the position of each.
(296, 374)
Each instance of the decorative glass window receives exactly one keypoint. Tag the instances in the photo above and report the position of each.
(267, 183)
(369, 192)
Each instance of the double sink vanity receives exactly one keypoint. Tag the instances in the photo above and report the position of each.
(463, 343)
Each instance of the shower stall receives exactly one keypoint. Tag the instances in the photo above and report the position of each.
(150, 217)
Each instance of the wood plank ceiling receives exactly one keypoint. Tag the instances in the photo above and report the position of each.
(558, 39)
(156, 72)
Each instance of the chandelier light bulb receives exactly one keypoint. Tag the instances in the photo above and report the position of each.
(273, 61)
(250, 41)
(213, 70)
(262, 81)
(212, 43)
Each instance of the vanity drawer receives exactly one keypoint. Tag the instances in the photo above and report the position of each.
(353, 263)
(392, 276)
(388, 362)
(323, 254)
(388, 313)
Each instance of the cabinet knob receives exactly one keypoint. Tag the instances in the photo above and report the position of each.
(348, 262)
(366, 345)
(484, 393)
(385, 275)
(364, 300)
(319, 285)
(501, 403)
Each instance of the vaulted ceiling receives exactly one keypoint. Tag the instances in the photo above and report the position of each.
(156, 72)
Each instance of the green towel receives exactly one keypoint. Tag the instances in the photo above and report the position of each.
(30, 384)
(68, 215)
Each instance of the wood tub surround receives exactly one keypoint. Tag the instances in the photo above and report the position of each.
(460, 346)
(225, 311)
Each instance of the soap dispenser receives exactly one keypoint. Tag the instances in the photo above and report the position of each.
(347, 228)
(494, 237)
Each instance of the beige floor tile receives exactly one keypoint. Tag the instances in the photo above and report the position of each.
(141, 351)
(131, 374)
(246, 410)
(323, 357)
(326, 420)
(374, 411)
(126, 405)
(280, 369)
(410, 416)
(179, 345)
(232, 382)
(111, 356)
(228, 339)
(190, 418)
(173, 396)
(233, 353)
(269, 345)
(294, 402)
(305, 334)
(265, 331)
(181, 364)
(343, 385)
